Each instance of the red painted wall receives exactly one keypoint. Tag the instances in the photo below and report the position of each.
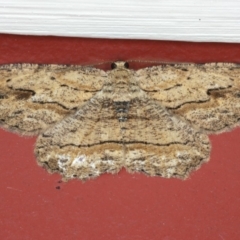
(123, 206)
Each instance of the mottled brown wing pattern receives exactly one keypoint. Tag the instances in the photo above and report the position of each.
(34, 97)
(85, 145)
(154, 120)
(206, 95)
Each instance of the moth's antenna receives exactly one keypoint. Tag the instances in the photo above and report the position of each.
(158, 61)
(99, 63)
(137, 61)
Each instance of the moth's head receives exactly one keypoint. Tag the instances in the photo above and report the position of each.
(120, 74)
(119, 65)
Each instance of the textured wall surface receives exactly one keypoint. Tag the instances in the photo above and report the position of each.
(199, 20)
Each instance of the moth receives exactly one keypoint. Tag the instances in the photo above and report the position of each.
(155, 120)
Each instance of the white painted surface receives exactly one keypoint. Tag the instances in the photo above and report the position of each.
(190, 20)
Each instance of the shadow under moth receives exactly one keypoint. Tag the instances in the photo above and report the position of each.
(154, 120)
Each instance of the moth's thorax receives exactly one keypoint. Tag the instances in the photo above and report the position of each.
(120, 76)
(121, 84)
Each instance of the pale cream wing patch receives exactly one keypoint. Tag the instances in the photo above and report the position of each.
(206, 95)
(34, 97)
